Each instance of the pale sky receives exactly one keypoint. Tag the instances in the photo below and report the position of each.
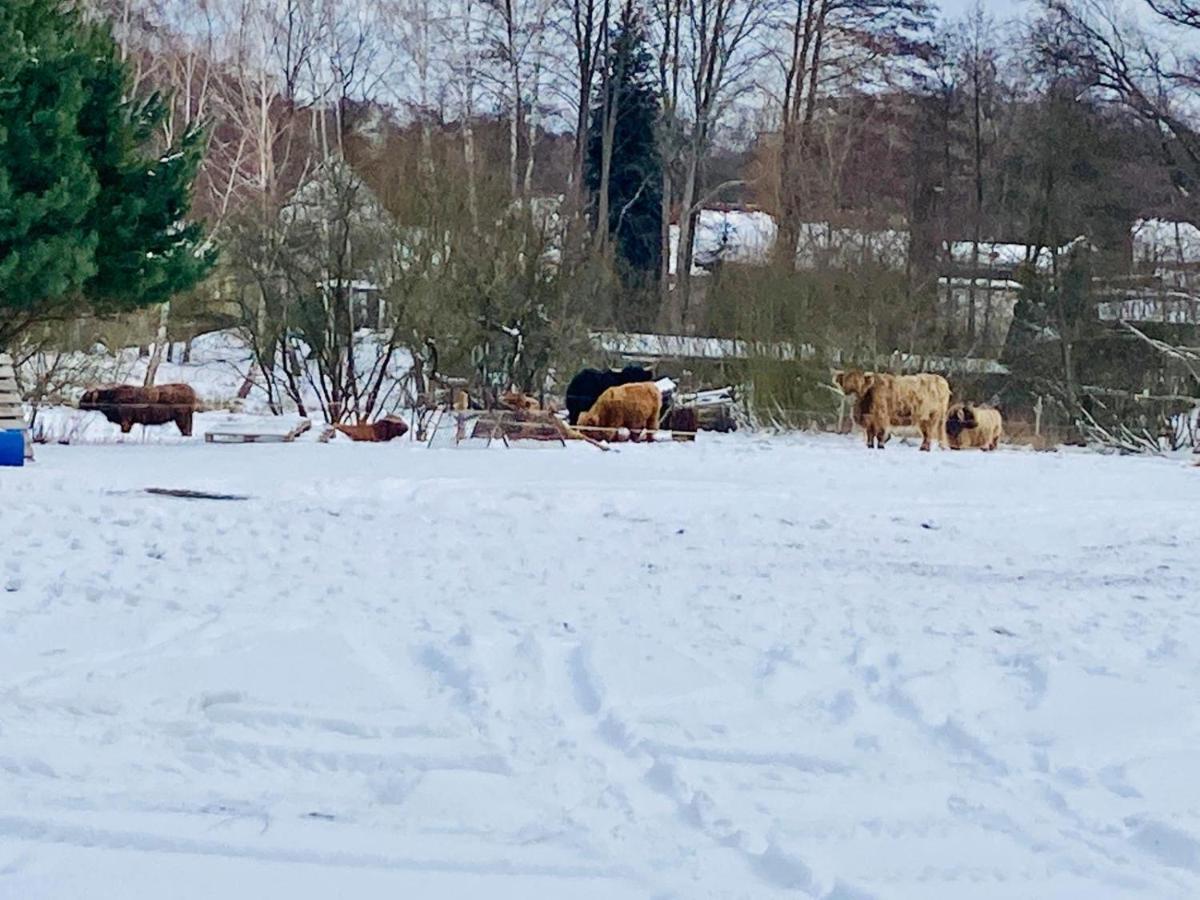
(1001, 9)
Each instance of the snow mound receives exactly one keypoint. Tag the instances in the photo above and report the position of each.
(742, 667)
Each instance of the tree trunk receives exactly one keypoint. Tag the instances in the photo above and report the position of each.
(1068, 360)
(978, 210)
(664, 268)
(583, 21)
(514, 124)
(532, 125)
(670, 70)
(607, 136)
(468, 139)
(160, 343)
(686, 251)
(468, 129)
(799, 105)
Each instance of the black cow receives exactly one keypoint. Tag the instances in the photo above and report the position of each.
(586, 387)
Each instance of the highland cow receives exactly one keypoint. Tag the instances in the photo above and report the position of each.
(873, 411)
(969, 426)
(586, 387)
(128, 405)
(637, 407)
(920, 401)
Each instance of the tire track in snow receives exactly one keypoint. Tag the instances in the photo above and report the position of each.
(48, 831)
(958, 745)
(281, 757)
(108, 658)
(653, 771)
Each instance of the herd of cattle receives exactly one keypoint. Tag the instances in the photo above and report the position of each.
(883, 402)
(630, 399)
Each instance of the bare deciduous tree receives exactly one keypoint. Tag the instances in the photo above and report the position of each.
(710, 50)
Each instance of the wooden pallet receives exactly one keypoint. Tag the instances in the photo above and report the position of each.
(257, 437)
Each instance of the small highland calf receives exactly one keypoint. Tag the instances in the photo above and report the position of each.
(969, 426)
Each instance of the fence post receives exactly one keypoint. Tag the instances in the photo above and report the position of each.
(1037, 417)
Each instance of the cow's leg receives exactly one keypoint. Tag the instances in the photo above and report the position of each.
(126, 426)
(926, 435)
(651, 426)
(183, 422)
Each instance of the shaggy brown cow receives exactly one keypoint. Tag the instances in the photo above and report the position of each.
(898, 400)
(636, 406)
(873, 411)
(852, 381)
(128, 405)
(385, 429)
(969, 426)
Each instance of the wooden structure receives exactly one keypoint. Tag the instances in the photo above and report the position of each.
(457, 428)
(500, 424)
(255, 434)
(12, 416)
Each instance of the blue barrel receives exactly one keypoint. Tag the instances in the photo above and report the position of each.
(12, 448)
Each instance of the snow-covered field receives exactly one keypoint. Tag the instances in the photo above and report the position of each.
(747, 667)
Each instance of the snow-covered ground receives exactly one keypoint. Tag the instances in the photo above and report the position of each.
(747, 667)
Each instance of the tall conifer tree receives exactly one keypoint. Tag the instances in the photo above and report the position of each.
(635, 178)
(93, 210)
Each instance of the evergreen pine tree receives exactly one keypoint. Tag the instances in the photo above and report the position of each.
(91, 217)
(635, 179)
